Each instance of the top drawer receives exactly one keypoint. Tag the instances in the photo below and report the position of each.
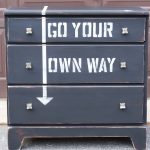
(76, 30)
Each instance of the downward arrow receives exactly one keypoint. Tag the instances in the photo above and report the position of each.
(44, 100)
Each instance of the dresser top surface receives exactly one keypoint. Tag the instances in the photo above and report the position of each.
(108, 11)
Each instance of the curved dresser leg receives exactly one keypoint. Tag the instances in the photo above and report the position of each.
(139, 140)
(15, 139)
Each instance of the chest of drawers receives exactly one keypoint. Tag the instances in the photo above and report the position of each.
(76, 73)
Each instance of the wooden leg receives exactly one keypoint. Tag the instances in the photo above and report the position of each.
(139, 139)
(17, 134)
(15, 139)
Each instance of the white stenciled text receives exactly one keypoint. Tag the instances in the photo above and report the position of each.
(75, 65)
(80, 29)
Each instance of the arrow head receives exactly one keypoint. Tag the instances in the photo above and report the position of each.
(45, 100)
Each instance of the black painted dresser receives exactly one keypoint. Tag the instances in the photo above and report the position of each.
(77, 73)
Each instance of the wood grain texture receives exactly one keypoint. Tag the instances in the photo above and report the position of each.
(59, 3)
(2, 64)
(2, 17)
(126, 3)
(3, 5)
(12, 3)
(2, 54)
(3, 88)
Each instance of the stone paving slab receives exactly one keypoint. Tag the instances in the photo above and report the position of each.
(3, 111)
(73, 144)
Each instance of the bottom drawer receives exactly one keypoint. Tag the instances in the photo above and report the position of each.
(46, 105)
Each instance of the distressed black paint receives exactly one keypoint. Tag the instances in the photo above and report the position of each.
(17, 33)
(77, 98)
(137, 134)
(133, 55)
(76, 105)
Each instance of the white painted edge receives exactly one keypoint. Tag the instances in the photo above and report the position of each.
(44, 63)
(43, 29)
(44, 54)
(148, 110)
(44, 100)
(44, 10)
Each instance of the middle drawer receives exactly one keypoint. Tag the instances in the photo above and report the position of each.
(73, 64)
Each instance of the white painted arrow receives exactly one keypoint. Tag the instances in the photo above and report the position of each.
(44, 100)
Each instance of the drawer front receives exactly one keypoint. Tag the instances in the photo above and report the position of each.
(73, 29)
(76, 64)
(75, 105)
(16, 30)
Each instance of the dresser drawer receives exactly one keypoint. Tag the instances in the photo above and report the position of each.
(76, 29)
(76, 64)
(75, 104)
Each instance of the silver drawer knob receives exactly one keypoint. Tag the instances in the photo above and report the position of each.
(125, 31)
(28, 30)
(29, 106)
(28, 65)
(123, 65)
(122, 106)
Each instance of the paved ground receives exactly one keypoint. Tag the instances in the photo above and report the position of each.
(3, 108)
(73, 144)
